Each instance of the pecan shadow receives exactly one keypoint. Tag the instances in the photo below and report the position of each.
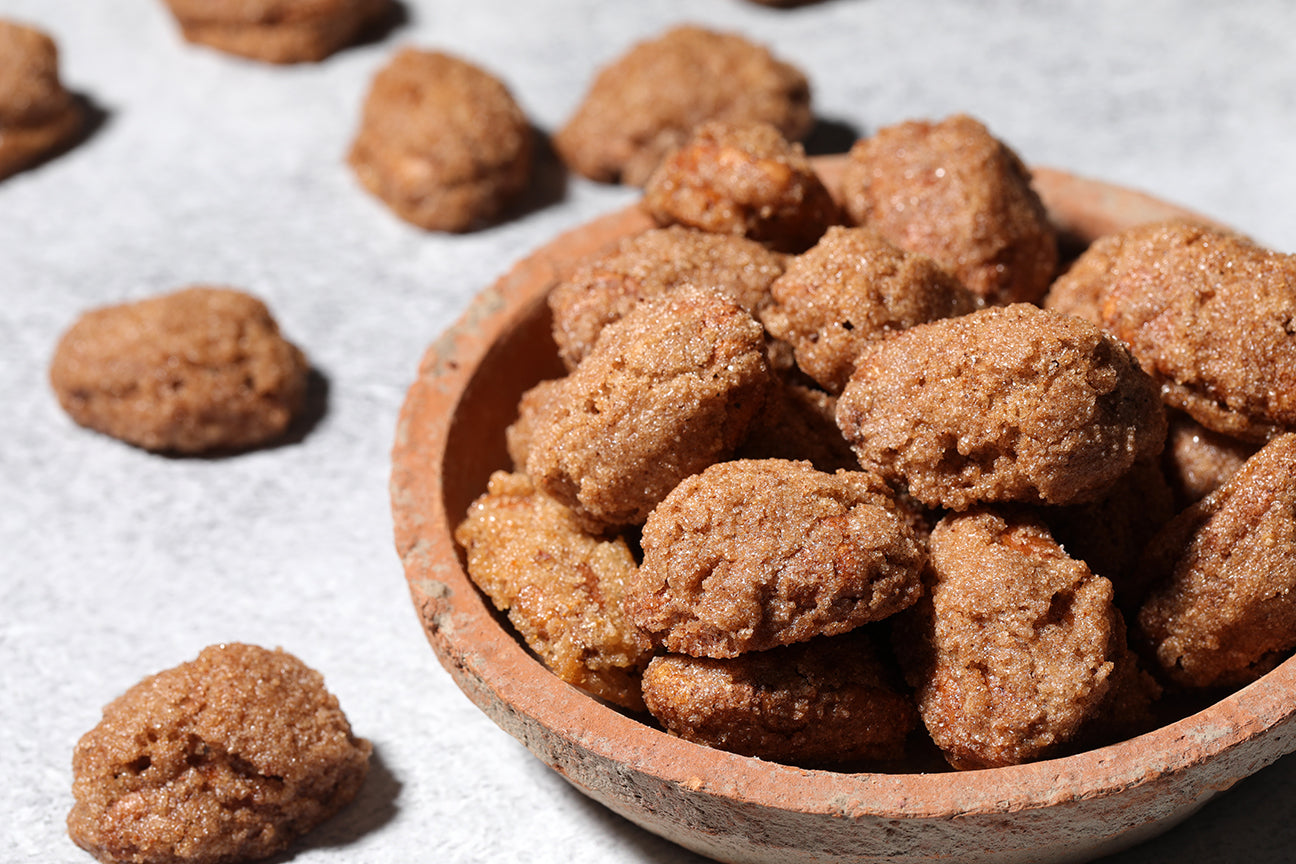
(374, 806)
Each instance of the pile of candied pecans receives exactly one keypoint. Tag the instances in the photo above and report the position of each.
(830, 469)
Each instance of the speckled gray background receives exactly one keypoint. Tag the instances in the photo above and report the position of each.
(115, 563)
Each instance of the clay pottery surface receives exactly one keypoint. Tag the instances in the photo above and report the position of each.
(734, 808)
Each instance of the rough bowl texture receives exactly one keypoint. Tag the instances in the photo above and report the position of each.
(735, 808)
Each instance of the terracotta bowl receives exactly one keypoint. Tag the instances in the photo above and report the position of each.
(735, 808)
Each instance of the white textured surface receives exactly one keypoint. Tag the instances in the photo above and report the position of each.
(115, 563)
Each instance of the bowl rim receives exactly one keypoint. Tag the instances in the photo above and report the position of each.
(498, 673)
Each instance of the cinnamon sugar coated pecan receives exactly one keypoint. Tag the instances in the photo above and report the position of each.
(562, 588)
(441, 142)
(1223, 611)
(853, 288)
(1198, 461)
(229, 757)
(277, 31)
(1210, 315)
(957, 194)
(605, 287)
(1005, 404)
(743, 179)
(751, 554)
(198, 370)
(798, 423)
(646, 102)
(824, 702)
(1014, 648)
(38, 116)
(669, 389)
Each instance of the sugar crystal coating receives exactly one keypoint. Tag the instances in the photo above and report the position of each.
(1013, 648)
(561, 587)
(193, 371)
(669, 389)
(824, 702)
(798, 423)
(1198, 461)
(229, 757)
(1224, 609)
(957, 194)
(604, 287)
(742, 179)
(1210, 315)
(647, 101)
(852, 288)
(441, 141)
(1005, 404)
(752, 554)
